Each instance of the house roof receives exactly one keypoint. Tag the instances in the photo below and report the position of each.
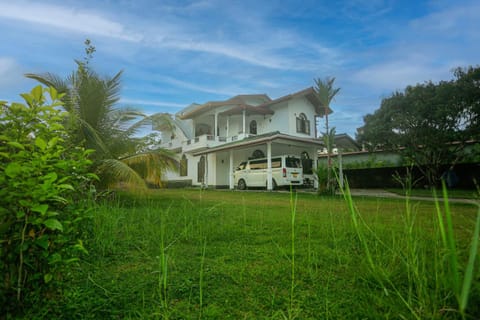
(196, 109)
(248, 110)
(260, 139)
(240, 103)
(344, 141)
(309, 93)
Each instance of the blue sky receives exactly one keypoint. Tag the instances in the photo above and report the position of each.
(177, 52)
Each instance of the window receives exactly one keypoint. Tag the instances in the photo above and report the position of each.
(258, 164)
(253, 127)
(303, 124)
(276, 162)
(291, 162)
(183, 166)
(201, 129)
(241, 166)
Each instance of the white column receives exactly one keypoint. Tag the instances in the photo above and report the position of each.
(315, 166)
(215, 133)
(243, 113)
(228, 126)
(230, 170)
(269, 166)
(205, 178)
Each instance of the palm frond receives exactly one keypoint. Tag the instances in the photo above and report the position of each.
(153, 165)
(92, 138)
(50, 80)
(162, 121)
(325, 91)
(113, 171)
(112, 88)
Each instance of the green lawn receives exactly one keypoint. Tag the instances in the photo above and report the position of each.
(190, 254)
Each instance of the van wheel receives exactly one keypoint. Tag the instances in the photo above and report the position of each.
(242, 185)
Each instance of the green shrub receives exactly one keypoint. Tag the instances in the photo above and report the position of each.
(325, 188)
(42, 179)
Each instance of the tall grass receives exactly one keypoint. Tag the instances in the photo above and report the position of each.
(201, 275)
(188, 254)
(293, 211)
(460, 288)
(423, 273)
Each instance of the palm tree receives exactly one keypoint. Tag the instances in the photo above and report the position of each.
(96, 123)
(326, 93)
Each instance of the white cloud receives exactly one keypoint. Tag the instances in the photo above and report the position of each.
(451, 21)
(11, 74)
(268, 46)
(154, 103)
(393, 75)
(67, 19)
(196, 87)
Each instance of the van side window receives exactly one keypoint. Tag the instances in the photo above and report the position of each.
(258, 164)
(276, 162)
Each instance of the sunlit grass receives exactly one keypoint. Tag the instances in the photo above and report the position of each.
(189, 254)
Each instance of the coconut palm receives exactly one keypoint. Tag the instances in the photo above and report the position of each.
(97, 123)
(326, 93)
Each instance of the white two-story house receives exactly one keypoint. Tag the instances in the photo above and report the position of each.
(211, 139)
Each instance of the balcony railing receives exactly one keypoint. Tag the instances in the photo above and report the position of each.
(174, 144)
(209, 141)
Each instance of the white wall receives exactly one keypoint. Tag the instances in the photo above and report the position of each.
(279, 120)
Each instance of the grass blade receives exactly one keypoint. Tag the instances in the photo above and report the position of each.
(451, 246)
(468, 276)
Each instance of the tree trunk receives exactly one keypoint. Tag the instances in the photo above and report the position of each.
(329, 163)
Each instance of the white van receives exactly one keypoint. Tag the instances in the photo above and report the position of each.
(286, 171)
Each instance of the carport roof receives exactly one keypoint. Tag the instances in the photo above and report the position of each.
(261, 139)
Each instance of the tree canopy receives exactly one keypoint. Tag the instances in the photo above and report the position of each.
(429, 123)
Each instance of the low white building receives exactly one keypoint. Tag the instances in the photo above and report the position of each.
(211, 139)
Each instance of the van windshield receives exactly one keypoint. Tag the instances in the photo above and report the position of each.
(241, 166)
(292, 162)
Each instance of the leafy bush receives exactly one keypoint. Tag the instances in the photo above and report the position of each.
(42, 179)
(324, 187)
(370, 163)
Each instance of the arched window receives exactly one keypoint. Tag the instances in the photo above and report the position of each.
(304, 155)
(303, 124)
(257, 154)
(183, 166)
(253, 127)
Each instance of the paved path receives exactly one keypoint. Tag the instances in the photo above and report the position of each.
(380, 193)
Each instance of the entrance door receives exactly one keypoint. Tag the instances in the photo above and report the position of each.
(201, 170)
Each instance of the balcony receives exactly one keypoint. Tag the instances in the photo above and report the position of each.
(240, 136)
(210, 141)
(202, 142)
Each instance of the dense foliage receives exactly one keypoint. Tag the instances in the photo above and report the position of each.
(430, 123)
(43, 181)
